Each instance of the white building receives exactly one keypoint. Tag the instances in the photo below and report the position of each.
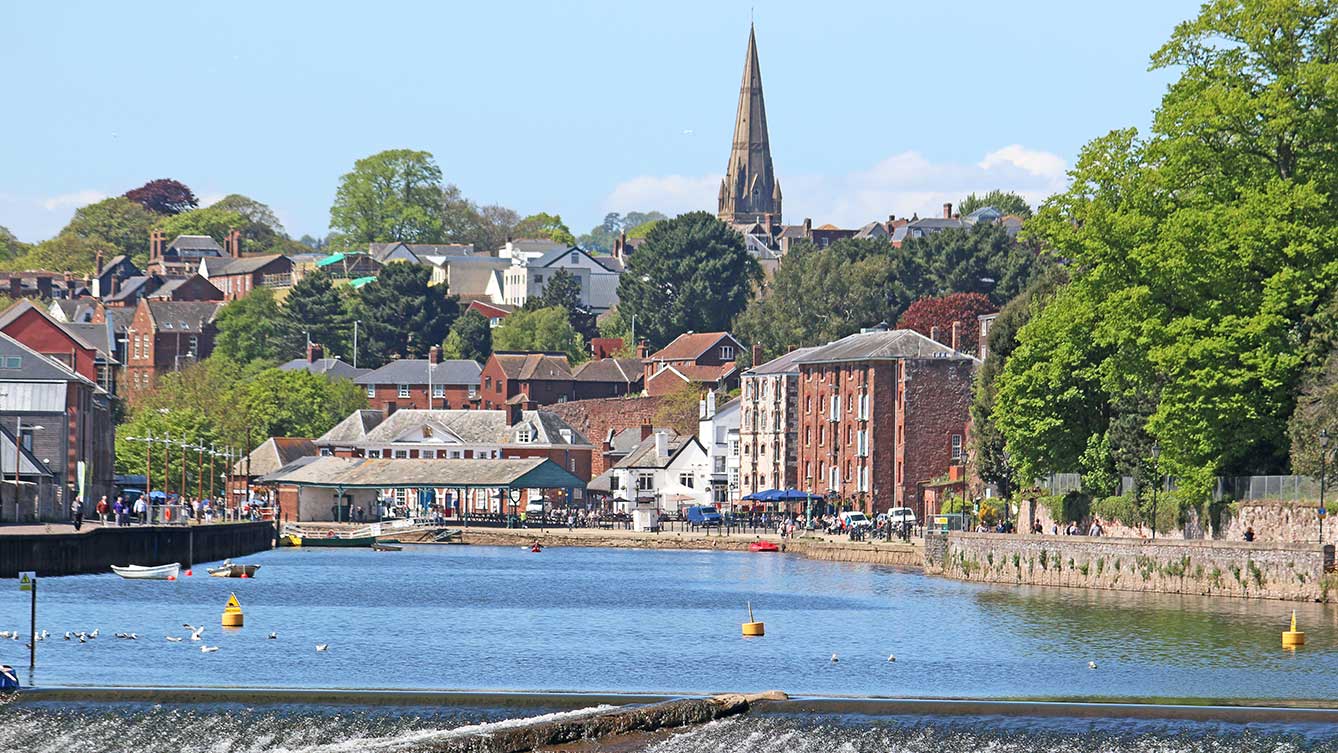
(667, 470)
(531, 269)
(718, 431)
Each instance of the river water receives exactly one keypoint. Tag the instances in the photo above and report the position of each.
(575, 619)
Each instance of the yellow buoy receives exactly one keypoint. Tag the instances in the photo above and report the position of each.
(1293, 638)
(232, 613)
(753, 629)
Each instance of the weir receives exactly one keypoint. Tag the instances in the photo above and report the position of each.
(96, 549)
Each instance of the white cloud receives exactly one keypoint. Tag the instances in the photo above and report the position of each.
(72, 200)
(902, 184)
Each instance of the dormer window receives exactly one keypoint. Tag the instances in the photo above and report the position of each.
(727, 352)
(566, 435)
(167, 325)
(524, 435)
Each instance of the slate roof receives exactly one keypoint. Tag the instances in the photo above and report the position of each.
(629, 439)
(792, 231)
(353, 429)
(382, 473)
(334, 367)
(33, 366)
(275, 453)
(91, 336)
(414, 371)
(611, 263)
(643, 455)
(534, 366)
(872, 230)
(72, 309)
(626, 370)
(786, 364)
(97, 335)
(120, 317)
(129, 287)
(469, 426)
(686, 347)
(881, 345)
(183, 316)
(195, 245)
(239, 266)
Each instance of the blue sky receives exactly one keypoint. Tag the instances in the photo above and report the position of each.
(579, 107)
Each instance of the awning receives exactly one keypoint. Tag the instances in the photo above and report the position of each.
(331, 259)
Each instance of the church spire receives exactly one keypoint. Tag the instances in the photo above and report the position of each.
(750, 191)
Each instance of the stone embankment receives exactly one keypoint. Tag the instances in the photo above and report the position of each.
(1296, 572)
(821, 548)
(95, 549)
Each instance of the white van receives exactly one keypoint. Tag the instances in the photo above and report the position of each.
(900, 515)
(855, 520)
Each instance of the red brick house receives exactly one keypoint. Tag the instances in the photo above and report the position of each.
(35, 328)
(192, 288)
(182, 256)
(237, 276)
(430, 383)
(166, 336)
(882, 413)
(706, 359)
(534, 379)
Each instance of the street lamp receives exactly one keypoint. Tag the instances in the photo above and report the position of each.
(1323, 480)
(1156, 453)
(356, 322)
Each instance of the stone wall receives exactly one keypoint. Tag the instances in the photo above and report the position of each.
(1272, 520)
(1221, 568)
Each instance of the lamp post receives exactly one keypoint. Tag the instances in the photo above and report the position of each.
(1156, 470)
(1323, 480)
(356, 322)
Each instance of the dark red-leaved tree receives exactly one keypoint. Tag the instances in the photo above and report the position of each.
(164, 196)
(927, 313)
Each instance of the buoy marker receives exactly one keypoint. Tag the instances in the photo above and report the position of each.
(752, 628)
(232, 613)
(1293, 638)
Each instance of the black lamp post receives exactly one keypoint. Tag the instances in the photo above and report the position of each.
(1156, 471)
(1323, 481)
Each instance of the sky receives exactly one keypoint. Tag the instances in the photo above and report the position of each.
(579, 108)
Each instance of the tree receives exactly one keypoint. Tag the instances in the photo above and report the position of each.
(563, 290)
(539, 330)
(10, 246)
(164, 196)
(463, 221)
(248, 328)
(470, 337)
(642, 229)
(692, 273)
(402, 315)
(298, 403)
(601, 236)
(211, 221)
(119, 223)
(393, 195)
(544, 225)
(1004, 201)
(189, 425)
(929, 314)
(980, 259)
(314, 310)
(262, 230)
(64, 253)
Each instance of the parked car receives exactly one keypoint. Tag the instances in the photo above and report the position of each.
(704, 515)
(902, 516)
(856, 520)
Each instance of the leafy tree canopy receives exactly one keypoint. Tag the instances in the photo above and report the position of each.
(10, 246)
(395, 195)
(164, 196)
(315, 309)
(262, 232)
(539, 330)
(929, 314)
(211, 221)
(62, 253)
(601, 237)
(978, 259)
(402, 315)
(248, 328)
(119, 223)
(544, 225)
(1004, 201)
(692, 273)
(470, 337)
(463, 221)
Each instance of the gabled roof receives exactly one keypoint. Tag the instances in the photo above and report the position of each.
(99, 336)
(23, 306)
(643, 455)
(380, 473)
(239, 266)
(119, 316)
(872, 230)
(334, 367)
(534, 366)
(467, 427)
(9, 449)
(689, 346)
(130, 287)
(491, 310)
(611, 263)
(696, 373)
(195, 245)
(31, 365)
(786, 364)
(629, 439)
(353, 428)
(414, 371)
(882, 345)
(623, 370)
(275, 453)
(182, 316)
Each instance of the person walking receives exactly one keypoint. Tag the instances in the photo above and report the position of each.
(141, 508)
(1096, 529)
(101, 510)
(77, 512)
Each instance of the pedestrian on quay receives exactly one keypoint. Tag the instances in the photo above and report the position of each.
(1249, 533)
(141, 508)
(77, 512)
(1096, 529)
(101, 510)
(117, 509)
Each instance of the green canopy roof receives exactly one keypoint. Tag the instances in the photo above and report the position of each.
(331, 259)
(362, 281)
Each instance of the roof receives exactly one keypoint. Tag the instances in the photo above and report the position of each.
(32, 366)
(696, 373)
(534, 366)
(793, 231)
(129, 287)
(828, 226)
(119, 316)
(98, 336)
(786, 364)
(414, 371)
(23, 306)
(491, 310)
(353, 428)
(273, 454)
(611, 263)
(241, 265)
(70, 309)
(182, 316)
(689, 346)
(881, 345)
(872, 230)
(626, 370)
(334, 367)
(29, 464)
(196, 245)
(382, 473)
(629, 439)
(643, 455)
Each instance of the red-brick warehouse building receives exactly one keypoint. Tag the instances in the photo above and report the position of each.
(880, 414)
(166, 336)
(430, 383)
(706, 359)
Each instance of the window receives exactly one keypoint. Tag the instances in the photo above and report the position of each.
(687, 479)
(566, 435)
(862, 447)
(167, 325)
(835, 477)
(727, 352)
(523, 434)
(371, 390)
(835, 407)
(719, 466)
(864, 478)
(808, 437)
(734, 448)
(14, 362)
(373, 453)
(438, 390)
(473, 391)
(404, 390)
(26, 439)
(645, 482)
(194, 346)
(487, 383)
(538, 279)
(575, 257)
(325, 452)
(401, 453)
(956, 447)
(615, 482)
(864, 407)
(808, 402)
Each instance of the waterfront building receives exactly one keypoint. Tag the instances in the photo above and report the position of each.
(423, 383)
(769, 423)
(669, 471)
(881, 413)
(718, 431)
(704, 359)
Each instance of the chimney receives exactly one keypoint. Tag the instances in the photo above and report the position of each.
(15, 287)
(757, 354)
(808, 226)
(97, 263)
(934, 333)
(956, 341)
(645, 431)
(115, 285)
(43, 286)
(434, 354)
(641, 350)
(607, 446)
(314, 352)
(234, 244)
(661, 444)
(947, 210)
(155, 245)
(790, 348)
(514, 413)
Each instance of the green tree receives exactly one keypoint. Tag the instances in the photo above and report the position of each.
(10, 246)
(544, 225)
(298, 403)
(262, 231)
(539, 330)
(119, 223)
(393, 195)
(62, 253)
(1004, 201)
(249, 328)
(402, 315)
(601, 237)
(563, 290)
(980, 259)
(463, 221)
(170, 464)
(211, 221)
(470, 337)
(314, 309)
(692, 273)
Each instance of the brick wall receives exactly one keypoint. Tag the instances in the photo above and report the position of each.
(937, 406)
(456, 397)
(594, 418)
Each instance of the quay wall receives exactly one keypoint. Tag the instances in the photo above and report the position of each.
(96, 550)
(1294, 572)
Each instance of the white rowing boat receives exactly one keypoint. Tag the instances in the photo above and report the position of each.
(141, 572)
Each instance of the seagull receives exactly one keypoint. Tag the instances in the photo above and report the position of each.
(322, 646)
(45, 634)
(196, 632)
(834, 659)
(14, 636)
(208, 649)
(273, 636)
(891, 657)
(188, 626)
(1091, 665)
(132, 636)
(82, 639)
(67, 635)
(175, 639)
(4, 633)
(95, 632)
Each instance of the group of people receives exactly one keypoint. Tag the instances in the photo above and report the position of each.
(121, 513)
(1072, 529)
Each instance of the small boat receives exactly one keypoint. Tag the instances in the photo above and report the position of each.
(233, 570)
(381, 546)
(763, 546)
(141, 572)
(310, 541)
(536, 548)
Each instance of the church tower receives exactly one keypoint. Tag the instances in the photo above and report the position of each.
(750, 193)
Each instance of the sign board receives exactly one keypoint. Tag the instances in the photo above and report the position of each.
(26, 579)
(232, 602)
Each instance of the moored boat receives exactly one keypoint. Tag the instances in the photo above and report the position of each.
(9, 679)
(385, 546)
(234, 570)
(763, 546)
(331, 541)
(142, 572)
